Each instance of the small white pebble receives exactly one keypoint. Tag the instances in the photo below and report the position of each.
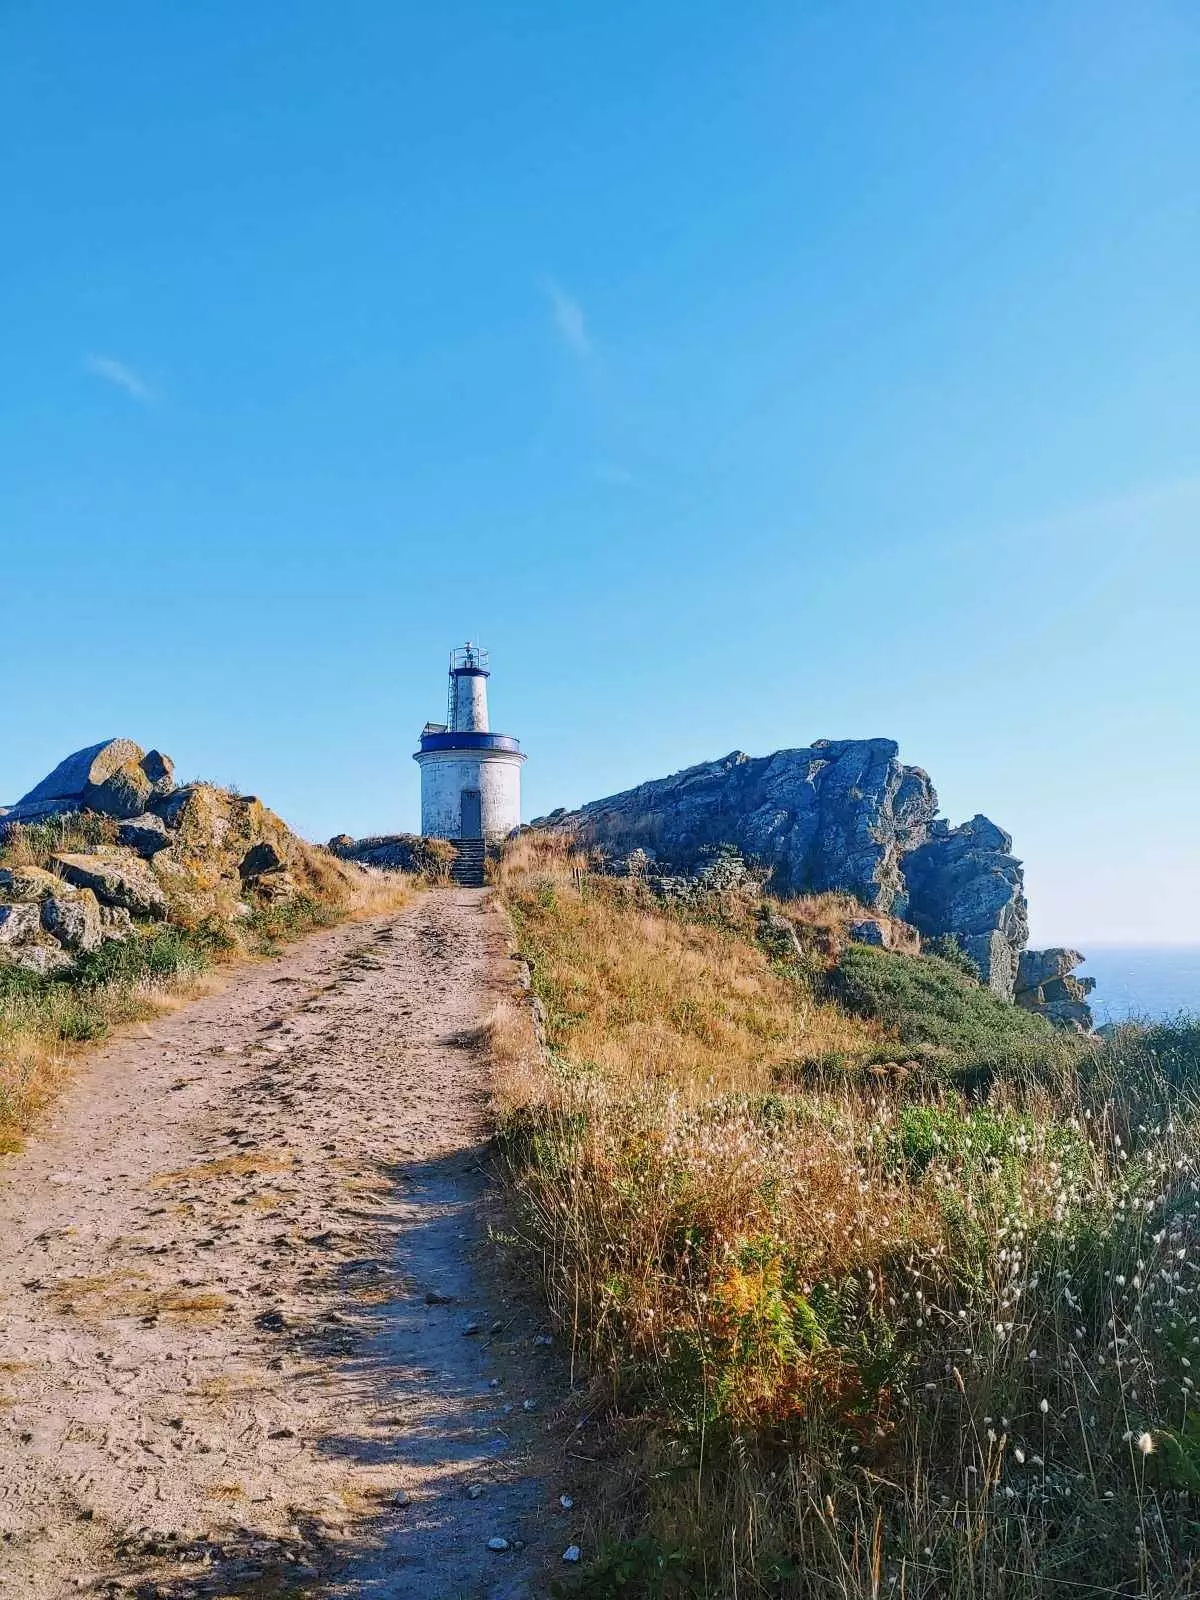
(497, 1543)
(402, 1498)
(528, 1405)
(474, 1490)
(565, 1501)
(572, 1553)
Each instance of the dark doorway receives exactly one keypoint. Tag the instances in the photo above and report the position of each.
(470, 824)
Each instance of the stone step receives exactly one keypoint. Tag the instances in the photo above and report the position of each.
(467, 866)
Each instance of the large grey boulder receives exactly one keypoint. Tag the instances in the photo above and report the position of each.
(116, 777)
(132, 786)
(147, 834)
(1043, 966)
(967, 882)
(40, 958)
(73, 919)
(19, 924)
(844, 815)
(115, 881)
(28, 883)
(1047, 984)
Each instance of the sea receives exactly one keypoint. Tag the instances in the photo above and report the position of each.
(1142, 982)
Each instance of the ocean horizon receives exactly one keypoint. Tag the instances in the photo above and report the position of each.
(1142, 982)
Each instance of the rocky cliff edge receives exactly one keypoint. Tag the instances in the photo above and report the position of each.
(840, 814)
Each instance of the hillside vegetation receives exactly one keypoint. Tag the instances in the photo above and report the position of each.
(881, 1287)
(207, 912)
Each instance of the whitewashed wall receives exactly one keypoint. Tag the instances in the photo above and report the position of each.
(471, 707)
(444, 776)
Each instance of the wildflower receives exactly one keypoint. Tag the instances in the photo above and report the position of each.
(1146, 1443)
(1043, 1406)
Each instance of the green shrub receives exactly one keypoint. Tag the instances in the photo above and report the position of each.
(162, 952)
(269, 926)
(946, 1018)
(947, 948)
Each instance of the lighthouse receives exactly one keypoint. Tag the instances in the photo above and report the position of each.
(470, 776)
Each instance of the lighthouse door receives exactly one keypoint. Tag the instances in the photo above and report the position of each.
(471, 816)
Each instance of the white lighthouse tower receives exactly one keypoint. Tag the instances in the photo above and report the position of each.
(470, 776)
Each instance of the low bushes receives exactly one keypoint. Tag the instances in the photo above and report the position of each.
(945, 1019)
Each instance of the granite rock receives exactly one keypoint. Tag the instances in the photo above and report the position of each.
(146, 834)
(843, 815)
(116, 777)
(19, 924)
(1043, 966)
(1047, 984)
(967, 882)
(115, 923)
(40, 958)
(73, 919)
(28, 883)
(115, 881)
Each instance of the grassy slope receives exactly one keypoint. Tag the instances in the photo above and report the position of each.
(44, 1021)
(869, 1337)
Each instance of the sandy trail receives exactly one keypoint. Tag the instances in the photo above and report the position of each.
(236, 1276)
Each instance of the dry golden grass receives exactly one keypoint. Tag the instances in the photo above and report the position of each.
(125, 1294)
(223, 1385)
(643, 996)
(856, 1340)
(256, 1161)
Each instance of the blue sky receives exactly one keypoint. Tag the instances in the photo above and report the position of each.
(740, 375)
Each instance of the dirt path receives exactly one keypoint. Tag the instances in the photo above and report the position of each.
(240, 1279)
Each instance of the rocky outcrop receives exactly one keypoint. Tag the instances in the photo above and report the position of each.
(843, 815)
(965, 881)
(837, 815)
(115, 777)
(1046, 983)
(132, 845)
(397, 852)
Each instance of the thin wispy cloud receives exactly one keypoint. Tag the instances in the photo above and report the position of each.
(122, 376)
(569, 320)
